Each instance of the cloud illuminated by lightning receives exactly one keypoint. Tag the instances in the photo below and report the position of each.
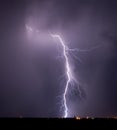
(29, 29)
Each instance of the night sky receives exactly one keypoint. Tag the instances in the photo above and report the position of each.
(31, 83)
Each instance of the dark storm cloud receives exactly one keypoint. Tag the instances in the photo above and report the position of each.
(29, 76)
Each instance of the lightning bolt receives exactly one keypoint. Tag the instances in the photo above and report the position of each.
(68, 72)
(70, 78)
